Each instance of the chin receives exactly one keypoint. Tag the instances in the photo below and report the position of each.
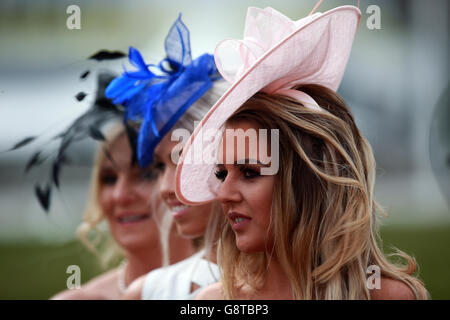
(248, 247)
(132, 244)
(133, 241)
(190, 230)
(189, 234)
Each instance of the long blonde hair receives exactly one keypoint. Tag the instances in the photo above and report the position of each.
(187, 121)
(89, 231)
(323, 209)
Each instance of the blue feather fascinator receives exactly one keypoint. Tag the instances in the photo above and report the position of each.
(157, 95)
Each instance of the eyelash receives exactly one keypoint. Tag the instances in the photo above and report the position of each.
(247, 173)
(221, 175)
(149, 175)
(253, 173)
(159, 166)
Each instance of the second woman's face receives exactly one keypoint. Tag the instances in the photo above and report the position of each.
(245, 194)
(124, 194)
(191, 221)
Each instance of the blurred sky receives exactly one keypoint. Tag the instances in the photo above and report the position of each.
(393, 83)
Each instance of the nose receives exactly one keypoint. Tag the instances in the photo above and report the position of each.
(124, 192)
(166, 183)
(229, 191)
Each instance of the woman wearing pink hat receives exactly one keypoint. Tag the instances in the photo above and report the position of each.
(302, 216)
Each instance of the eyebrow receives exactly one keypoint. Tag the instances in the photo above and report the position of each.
(107, 168)
(246, 162)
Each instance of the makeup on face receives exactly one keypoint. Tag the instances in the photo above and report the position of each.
(245, 194)
(191, 221)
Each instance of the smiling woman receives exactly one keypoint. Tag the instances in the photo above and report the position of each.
(121, 194)
(197, 223)
(191, 222)
(124, 195)
(160, 98)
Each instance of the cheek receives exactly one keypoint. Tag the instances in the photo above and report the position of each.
(259, 197)
(145, 193)
(105, 201)
(201, 213)
(199, 219)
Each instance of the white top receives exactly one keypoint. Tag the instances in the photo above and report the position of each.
(174, 282)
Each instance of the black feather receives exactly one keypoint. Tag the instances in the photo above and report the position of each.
(96, 134)
(108, 155)
(34, 160)
(89, 124)
(43, 195)
(84, 74)
(55, 171)
(59, 136)
(80, 96)
(107, 55)
(22, 143)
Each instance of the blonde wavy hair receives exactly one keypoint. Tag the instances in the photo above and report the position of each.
(89, 231)
(188, 121)
(324, 214)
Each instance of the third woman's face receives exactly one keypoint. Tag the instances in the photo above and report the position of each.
(124, 195)
(191, 221)
(245, 194)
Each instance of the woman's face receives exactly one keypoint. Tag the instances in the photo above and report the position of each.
(124, 192)
(245, 194)
(191, 221)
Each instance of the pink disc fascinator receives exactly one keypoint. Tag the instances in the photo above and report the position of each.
(275, 55)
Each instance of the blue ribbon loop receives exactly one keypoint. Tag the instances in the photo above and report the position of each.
(156, 96)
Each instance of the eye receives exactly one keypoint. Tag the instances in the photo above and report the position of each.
(159, 166)
(149, 175)
(249, 173)
(108, 179)
(221, 174)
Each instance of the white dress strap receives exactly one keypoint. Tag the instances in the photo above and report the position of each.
(174, 282)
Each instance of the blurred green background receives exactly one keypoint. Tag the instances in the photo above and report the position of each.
(38, 271)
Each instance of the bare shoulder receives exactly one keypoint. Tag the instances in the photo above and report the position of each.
(72, 294)
(102, 287)
(211, 292)
(134, 290)
(392, 289)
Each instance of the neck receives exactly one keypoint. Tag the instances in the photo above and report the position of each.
(277, 284)
(212, 256)
(180, 248)
(213, 251)
(140, 262)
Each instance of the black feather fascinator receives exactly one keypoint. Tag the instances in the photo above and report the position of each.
(87, 126)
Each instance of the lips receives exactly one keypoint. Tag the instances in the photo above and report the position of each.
(238, 221)
(179, 210)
